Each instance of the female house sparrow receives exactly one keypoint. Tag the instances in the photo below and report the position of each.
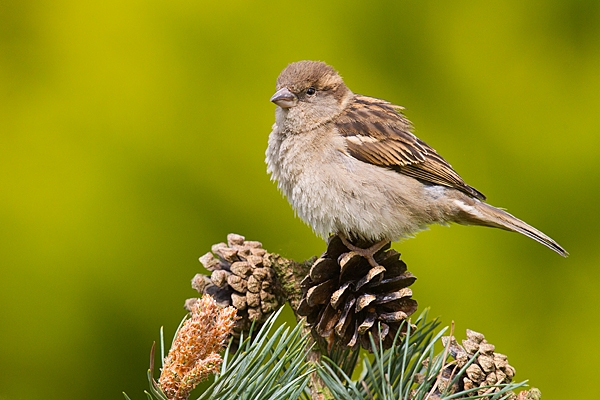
(349, 165)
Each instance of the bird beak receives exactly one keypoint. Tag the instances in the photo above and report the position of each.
(284, 98)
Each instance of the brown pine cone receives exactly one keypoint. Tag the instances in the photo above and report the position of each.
(241, 277)
(345, 298)
(489, 368)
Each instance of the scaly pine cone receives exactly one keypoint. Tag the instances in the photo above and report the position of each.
(489, 368)
(241, 277)
(345, 298)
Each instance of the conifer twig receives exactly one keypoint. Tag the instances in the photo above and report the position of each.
(194, 355)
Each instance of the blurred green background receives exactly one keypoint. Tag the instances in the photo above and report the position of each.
(132, 138)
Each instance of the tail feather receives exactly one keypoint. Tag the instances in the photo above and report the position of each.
(484, 214)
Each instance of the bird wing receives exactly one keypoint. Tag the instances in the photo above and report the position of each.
(376, 132)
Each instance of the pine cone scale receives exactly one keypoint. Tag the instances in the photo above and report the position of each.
(368, 322)
(375, 275)
(393, 296)
(351, 266)
(320, 294)
(393, 316)
(328, 321)
(364, 300)
(338, 296)
(396, 283)
(345, 318)
(323, 269)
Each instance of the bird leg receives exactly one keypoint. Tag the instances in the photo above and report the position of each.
(367, 253)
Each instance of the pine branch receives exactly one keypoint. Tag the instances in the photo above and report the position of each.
(341, 303)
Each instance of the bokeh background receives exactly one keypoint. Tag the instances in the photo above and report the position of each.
(132, 138)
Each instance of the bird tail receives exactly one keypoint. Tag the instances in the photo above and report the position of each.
(480, 213)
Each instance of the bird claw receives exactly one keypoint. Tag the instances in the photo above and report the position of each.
(367, 253)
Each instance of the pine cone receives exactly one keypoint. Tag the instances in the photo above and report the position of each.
(241, 277)
(345, 298)
(488, 369)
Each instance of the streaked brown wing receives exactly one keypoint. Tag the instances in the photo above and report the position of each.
(376, 132)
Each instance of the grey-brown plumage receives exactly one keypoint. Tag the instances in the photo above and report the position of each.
(350, 165)
(379, 134)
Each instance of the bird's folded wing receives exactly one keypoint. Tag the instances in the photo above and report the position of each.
(377, 133)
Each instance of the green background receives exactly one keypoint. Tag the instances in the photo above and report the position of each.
(132, 138)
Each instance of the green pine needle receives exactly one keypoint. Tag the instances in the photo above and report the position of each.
(265, 367)
(272, 365)
(401, 372)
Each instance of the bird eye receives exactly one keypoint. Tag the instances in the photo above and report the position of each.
(311, 91)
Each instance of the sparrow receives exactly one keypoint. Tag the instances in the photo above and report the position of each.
(350, 166)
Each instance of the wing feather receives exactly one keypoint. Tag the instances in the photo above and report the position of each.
(376, 132)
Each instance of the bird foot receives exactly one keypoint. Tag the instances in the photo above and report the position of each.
(367, 253)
